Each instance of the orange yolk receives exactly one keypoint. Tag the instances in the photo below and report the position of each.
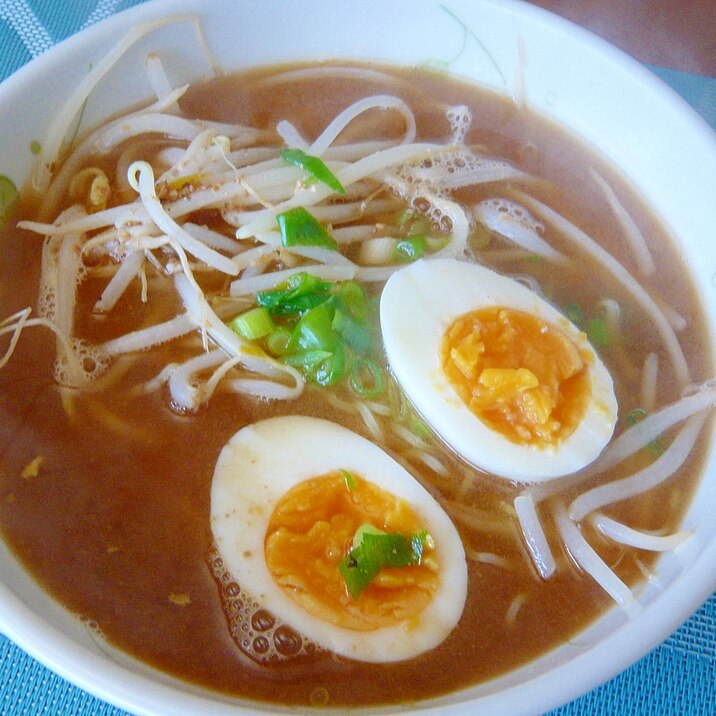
(311, 531)
(522, 376)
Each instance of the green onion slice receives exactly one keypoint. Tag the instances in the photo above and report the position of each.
(308, 359)
(597, 333)
(635, 416)
(374, 550)
(410, 249)
(352, 297)
(299, 227)
(420, 226)
(296, 295)
(330, 370)
(277, 341)
(253, 324)
(319, 366)
(367, 378)
(322, 327)
(351, 482)
(316, 348)
(314, 166)
(419, 427)
(574, 313)
(358, 335)
(315, 330)
(8, 197)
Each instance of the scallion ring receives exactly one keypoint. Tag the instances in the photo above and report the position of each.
(367, 378)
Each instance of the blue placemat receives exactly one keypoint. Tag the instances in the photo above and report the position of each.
(677, 678)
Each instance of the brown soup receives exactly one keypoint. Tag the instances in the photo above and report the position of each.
(114, 520)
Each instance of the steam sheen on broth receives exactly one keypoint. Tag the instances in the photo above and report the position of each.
(161, 229)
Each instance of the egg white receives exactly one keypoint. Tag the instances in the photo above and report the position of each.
(254, 471)
(417, 306)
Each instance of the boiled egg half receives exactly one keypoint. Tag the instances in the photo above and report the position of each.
(501, 375)
(291, 496)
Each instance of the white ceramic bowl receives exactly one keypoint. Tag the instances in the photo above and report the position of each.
(583, 83)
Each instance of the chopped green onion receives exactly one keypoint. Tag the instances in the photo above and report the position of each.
(297, 294)
(574, 313)
(253, 324)
(635, 416)
(299, 227)
(35, 147)
(657, 447)
(350, 480)
(277, 341)
(358, 335)
(315, 330)
(365, 528)
(416, 230)
(8, 198)
(319, 366)
(419, 427)
(410, 249)
(374, 304)
(374, 385)
(314, 166)
(322, 325)
(316, 348)
(597, 333)
(330, 370)
(308, 359)
(374, 550)
(352, 297)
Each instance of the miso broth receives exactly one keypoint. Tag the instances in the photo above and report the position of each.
(112, 517)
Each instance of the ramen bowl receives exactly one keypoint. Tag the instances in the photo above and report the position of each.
(585, 86)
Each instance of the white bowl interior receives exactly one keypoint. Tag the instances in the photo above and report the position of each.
(582, 83)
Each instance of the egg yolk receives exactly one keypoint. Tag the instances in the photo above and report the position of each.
(522, 376)
(311, 530)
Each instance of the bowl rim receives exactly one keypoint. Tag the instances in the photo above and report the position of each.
(127, 689)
